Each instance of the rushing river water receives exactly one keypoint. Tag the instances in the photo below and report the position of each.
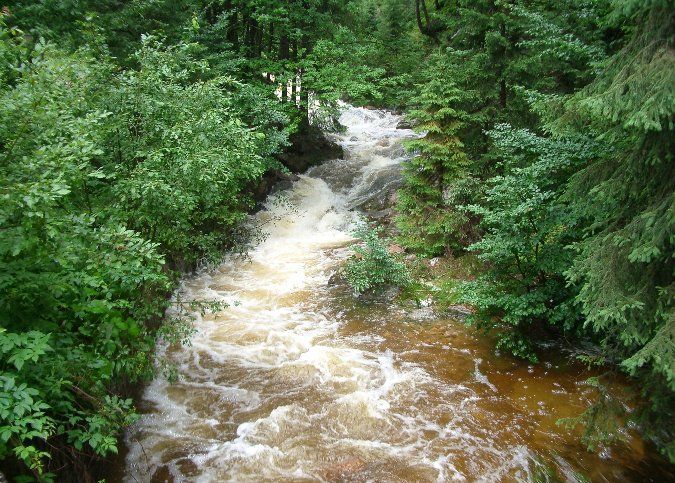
(300, 382)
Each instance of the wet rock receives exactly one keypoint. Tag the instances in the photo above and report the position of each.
(384, 142)
(285, 182)
(353, 138)
(379, 214)
(290, 177)
(375, 191)
(273, 181)
(395, 249)
(281, 186)
(264, 186)
(162, 475)
(188, 467)
(461, 311)
(385, 295)
(308, 148)
(404, 124)
(391, 293)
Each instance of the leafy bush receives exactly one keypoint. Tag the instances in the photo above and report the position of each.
(78, 290)
(527, 228)
(108, 182)
(372, 268)
(185, 157)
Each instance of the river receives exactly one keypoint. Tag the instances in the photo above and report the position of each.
(298, 381)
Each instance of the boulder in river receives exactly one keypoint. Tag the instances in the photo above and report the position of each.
(404, 125)
(461, 311)
(308, 148)
(274, 180)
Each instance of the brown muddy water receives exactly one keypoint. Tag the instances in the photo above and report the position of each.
(300, 382)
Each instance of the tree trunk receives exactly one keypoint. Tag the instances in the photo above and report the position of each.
(232, 27)
(284, 53)
(502, 93)
(429, 29)
(270, 44)
(426, 14)
(257, 38)
(284, 47)
(502, 84)
(420, 26)
(248, 34)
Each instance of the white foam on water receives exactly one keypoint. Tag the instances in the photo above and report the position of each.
(482, 378)
(269, 389)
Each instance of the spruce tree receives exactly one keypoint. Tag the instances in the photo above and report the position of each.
(435, 179)
(624, 264)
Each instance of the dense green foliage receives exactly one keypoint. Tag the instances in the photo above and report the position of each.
(623, 263)
(105, 177)
(527, 229)
(548, 153)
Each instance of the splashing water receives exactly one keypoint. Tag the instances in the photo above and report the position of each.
(298, 382)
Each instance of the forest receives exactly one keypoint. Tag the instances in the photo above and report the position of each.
(138, 136)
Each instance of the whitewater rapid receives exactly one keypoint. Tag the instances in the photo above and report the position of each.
(297, 381)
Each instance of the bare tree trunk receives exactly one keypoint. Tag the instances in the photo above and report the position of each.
(284, 53)
(426, 14)
(257, 39)
(420, 26)
(430, 28)
(232, 27)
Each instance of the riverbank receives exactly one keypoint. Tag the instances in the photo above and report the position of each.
(305, 149)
